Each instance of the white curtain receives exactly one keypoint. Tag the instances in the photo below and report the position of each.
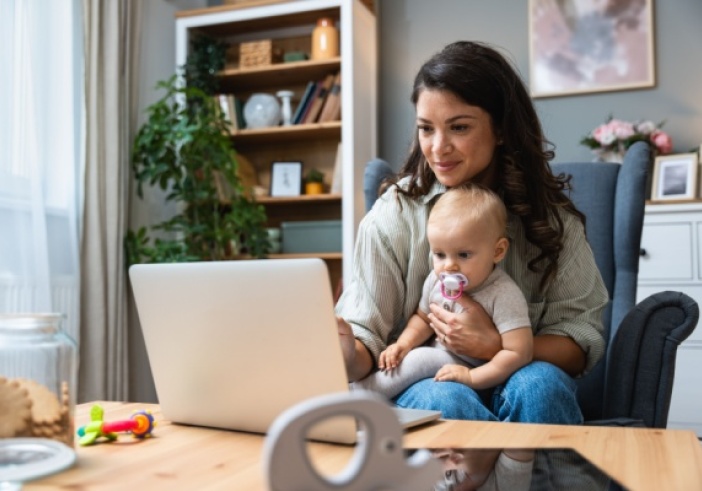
(41, 141)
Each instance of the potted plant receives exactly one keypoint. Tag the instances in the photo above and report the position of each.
(184, 148)
(314, 182)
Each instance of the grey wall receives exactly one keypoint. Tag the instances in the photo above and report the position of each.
(413, 30)
(157, 62)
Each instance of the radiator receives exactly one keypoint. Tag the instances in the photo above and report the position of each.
(17, 295)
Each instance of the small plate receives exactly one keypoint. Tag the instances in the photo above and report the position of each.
(24, 459)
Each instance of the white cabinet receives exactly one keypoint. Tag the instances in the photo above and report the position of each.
(290, 24)
(672, 260)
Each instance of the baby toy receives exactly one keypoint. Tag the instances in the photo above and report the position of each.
(452, 285)
(140, 425)
(378, 462)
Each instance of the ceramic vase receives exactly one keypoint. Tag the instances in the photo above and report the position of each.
(609, 156)
(325, 40)
(262, 111)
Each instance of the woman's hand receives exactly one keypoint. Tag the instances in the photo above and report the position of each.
(470, 333)
(357, 358)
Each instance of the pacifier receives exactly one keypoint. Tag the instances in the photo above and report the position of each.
(452, 285)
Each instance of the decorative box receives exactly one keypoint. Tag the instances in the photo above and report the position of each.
(311, 236)
(258, 53)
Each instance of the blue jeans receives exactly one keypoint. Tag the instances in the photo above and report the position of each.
(537, 393)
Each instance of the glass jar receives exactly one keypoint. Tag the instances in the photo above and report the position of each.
(38, 377)
(325, 40)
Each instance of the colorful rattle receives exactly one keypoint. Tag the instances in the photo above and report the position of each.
(452, 285)
(140, 425)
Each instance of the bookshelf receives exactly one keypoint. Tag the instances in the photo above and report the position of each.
(289, 25)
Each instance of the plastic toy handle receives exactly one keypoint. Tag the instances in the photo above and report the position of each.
(119, 426)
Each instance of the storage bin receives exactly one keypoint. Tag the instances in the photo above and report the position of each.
(259, 53)
(313, 236)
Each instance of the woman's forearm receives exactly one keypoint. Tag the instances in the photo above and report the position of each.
(560, 351)
(362, 363)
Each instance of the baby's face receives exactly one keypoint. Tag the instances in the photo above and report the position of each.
(460, 246)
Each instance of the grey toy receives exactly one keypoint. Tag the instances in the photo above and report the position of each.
(377, 464)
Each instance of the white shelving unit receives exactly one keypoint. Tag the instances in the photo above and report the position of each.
(316, 143)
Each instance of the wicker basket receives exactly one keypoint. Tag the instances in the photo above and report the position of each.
(258, 53)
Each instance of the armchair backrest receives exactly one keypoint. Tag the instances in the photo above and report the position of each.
(612, 197)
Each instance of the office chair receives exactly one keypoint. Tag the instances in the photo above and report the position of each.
(633, 383)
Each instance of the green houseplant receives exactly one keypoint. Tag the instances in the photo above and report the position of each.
(184, 148)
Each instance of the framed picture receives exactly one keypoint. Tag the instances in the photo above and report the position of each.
(286, 179)
(675, 177)
(581, 46)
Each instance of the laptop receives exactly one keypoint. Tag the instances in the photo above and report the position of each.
(232, 344)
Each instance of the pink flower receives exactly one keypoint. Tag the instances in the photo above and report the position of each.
(604, 134)
(662, 141)
(621, 129)
(617, 136)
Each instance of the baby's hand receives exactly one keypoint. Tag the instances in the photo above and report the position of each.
(392, 356)
(454, 373)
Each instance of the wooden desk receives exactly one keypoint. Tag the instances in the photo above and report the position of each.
(188, 458)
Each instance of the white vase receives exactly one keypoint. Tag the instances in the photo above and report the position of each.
(609, 156)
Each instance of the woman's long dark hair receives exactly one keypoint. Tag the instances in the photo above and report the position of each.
(481, 76)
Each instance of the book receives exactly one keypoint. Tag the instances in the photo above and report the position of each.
(300, 109)
(319, 98)
(335, 187)
(239, 113)
(231, 111)
(221, 100)
(331, 111)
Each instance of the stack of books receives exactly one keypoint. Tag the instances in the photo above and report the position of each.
(321, 101)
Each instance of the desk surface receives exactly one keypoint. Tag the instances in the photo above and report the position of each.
(183, 457)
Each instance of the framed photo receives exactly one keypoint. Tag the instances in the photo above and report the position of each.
(581, 46)
(286, 179)
(675, 177)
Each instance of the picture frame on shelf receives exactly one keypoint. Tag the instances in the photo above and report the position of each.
(675, 177)
(589, 48)
(286, 179)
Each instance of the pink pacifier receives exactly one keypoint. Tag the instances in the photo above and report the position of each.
(452, 285)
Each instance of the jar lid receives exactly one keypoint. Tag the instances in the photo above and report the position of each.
(23, 459)
(29, 320)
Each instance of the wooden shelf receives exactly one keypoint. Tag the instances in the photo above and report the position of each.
(327, 256)
(254, 25)
(311, 199)
(282, 134)
(276, 75)
(301, 208)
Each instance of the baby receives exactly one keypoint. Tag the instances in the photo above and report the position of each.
(466, 231)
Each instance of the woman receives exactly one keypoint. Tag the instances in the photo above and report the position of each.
(476, 123)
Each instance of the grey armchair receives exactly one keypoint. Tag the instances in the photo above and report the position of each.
(633, 383)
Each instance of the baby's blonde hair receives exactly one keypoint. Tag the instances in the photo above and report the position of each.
(472, 204)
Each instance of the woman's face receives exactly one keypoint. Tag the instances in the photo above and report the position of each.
(457, 139)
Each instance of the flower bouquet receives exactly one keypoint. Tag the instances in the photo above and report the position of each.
(610, 141)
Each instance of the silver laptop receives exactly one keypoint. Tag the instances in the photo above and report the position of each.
(232, 344)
